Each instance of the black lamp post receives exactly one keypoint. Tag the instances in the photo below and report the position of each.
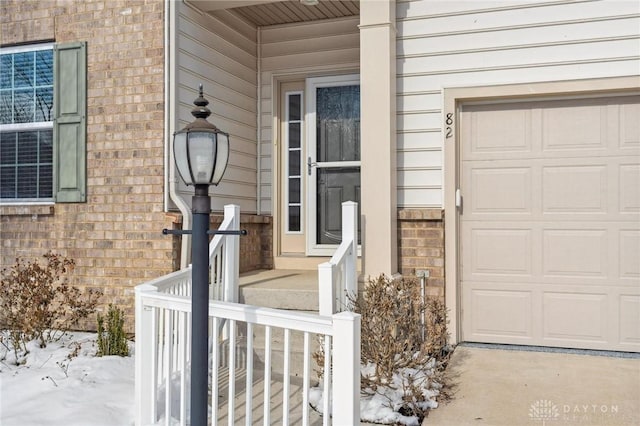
(201, 152)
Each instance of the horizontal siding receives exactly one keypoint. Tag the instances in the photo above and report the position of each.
(309, 30)
(451, 44)
(301, 46)
(416, 18)
(220, 52)
(302, 49)
(584, 52)
(491, 40)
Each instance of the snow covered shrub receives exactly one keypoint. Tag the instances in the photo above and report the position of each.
(112, 341)
(404, 350)
(402, 334)
(37, 301)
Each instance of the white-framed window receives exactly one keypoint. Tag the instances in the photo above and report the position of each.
(293, 161)
(43, 91)
(26, 123)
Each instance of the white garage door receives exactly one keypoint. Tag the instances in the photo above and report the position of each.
(550, 224)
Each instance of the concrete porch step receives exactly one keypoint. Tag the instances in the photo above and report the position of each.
(281, 289)
(294, 290)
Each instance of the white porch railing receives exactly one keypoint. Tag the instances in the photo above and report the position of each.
(163, 331)
(224, 255)
(337, 278)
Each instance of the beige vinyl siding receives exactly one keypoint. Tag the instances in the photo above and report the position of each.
(452, 44)
(220, 52)
(298, 51)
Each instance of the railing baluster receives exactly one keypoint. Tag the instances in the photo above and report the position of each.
(183, 369)
(326, 395)
(267, 376)
(154, 364)
(249, 386)
(214, 371)
(167, 366)
(305, 383)
(174, 337)
(285, 378)
(160, 347)
(219, 274)
(188, 338)
(232, 371)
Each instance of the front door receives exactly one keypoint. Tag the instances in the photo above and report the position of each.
(333, 157)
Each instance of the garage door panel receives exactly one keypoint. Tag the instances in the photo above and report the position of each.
(587, 321)
(629, 188)
(629, 123)
(488, 309)
(550, 223)
(571, 125)
(575, 189)
(500, 252)
(494, 132)
(630, 320)
(629, 257)
(501, 190)
(575, 253)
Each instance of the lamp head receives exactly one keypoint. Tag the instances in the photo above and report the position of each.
(201, 150)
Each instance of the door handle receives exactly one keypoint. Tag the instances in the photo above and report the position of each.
(310, 164)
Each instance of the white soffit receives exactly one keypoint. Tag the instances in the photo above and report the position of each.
(268, 12)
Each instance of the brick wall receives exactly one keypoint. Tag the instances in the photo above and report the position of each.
(421, 246)
(255, 248)
(115, 236)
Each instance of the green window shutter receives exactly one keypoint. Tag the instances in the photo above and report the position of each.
(70, 122)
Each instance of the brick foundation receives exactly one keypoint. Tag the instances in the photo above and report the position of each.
(255, 247)
(421, 246)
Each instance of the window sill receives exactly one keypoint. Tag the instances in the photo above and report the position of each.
(26, 209)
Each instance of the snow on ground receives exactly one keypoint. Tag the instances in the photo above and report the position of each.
(64, 384)
(51, 388)
(384, 406)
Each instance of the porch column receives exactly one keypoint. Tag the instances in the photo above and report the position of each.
(378, 137)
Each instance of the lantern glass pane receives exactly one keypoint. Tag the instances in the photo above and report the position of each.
(202, 156)
(223, 158)
(180, 154)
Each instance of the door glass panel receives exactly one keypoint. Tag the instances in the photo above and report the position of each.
(294, 135)
(294, 218)
(294, 163)
(338, 123)
(294, 107)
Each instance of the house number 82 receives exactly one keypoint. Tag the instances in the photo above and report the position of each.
(449, 122)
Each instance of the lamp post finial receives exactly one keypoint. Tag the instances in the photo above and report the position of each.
(201, 110)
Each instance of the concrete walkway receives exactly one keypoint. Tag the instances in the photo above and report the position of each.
(513, 387)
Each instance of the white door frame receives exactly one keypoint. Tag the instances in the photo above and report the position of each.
(312, 84)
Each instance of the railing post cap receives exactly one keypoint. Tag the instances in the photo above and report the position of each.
(347, 315)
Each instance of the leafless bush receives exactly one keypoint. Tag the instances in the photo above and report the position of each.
(37, 301)
(402, 335)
